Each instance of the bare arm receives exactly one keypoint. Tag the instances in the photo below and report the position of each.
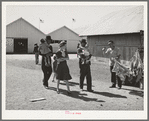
(105, 51)
(62, 59)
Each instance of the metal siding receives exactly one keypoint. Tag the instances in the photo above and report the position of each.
(14, 30)
(72, 46)
(9, 45)
(63, 34)
(92, 43)
(55, 47)
(125, 21)
(66, 34)
(21, 29)
(128, 43)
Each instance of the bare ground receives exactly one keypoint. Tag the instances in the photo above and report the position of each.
(24, 82)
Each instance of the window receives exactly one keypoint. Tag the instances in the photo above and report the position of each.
(56, 41)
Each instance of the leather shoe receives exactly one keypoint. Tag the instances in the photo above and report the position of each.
(112, 86)
(90, 90)
(119, 87)
(58, 91)
(46, 87)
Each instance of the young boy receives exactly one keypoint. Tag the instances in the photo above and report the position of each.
(36, 53)
(45, 50)
(54, 68)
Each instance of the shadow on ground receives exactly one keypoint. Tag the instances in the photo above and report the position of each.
(76, 94)
(70, 83)
(109, 94)
(135, 92)
(73, 84)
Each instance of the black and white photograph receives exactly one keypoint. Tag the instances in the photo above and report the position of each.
(74, 60)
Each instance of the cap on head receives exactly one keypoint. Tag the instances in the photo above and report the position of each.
(62, 43)
(83, 41)
(110, 42)
(48, 37)
(42, 40)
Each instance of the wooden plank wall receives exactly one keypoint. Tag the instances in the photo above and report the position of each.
(128, 43)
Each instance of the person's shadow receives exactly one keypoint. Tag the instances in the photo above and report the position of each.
(70, 83)
(77, 95)
(135, 92)
(107, 94)
(73, 84)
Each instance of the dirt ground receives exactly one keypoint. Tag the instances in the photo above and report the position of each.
(24, 82)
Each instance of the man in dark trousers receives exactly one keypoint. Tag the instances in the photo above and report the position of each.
(36, 53)
(84, 64)
(113, 53)
(47, 70)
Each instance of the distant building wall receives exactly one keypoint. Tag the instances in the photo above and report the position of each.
(9, 45)
(65, 34)
(22, 29)
(128, 43)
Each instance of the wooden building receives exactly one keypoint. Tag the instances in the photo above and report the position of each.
(124, 27)
(21, 37)
(64, 33)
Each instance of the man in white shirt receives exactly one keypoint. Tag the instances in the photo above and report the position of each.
(113, 53)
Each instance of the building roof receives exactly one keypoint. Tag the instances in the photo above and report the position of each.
(118, 22)
(62, 28)
(27, 23)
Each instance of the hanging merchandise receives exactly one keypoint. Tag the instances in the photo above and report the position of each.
(136, 62)
(134, 73)
(121, 70)
(136, 66)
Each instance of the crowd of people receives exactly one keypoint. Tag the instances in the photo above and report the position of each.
(61, 69)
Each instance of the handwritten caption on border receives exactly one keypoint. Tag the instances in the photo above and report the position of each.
(73, 113)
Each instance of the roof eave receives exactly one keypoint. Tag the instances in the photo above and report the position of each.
(83, 35)
(26, 22)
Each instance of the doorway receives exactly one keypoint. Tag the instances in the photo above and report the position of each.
(20, 45)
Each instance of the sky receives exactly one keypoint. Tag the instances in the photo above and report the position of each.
(58, 15)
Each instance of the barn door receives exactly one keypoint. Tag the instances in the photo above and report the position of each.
(20, 45)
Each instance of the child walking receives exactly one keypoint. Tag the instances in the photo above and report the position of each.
(62, 67)
(45, 50)
(54, 67)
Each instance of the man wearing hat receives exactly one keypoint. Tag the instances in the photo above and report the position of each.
(48, 39)
(113, 53)
(47, 70)
(84, 65)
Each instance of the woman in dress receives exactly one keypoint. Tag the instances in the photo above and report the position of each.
(62, 67)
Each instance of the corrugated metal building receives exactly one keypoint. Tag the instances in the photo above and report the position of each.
(64, 33)
(123, 27)
(21, 36)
